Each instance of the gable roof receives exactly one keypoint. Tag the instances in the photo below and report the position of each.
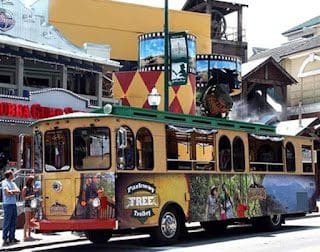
(252, 66)
(309, 23)
(289, 48)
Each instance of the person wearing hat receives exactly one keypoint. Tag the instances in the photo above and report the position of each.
(213, 204)
(9, 192)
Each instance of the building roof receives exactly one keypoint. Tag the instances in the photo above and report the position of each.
(80, 55)
(31, 31)
(293, 127)
(309, 23)
(289, 48)
(200, 6)
(252, 66)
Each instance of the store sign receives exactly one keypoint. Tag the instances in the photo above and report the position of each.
(141, 199)
(35, 111)
(6, 20)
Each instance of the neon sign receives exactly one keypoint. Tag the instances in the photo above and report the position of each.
(35, 111)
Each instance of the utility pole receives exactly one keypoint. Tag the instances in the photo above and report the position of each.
(166, 56)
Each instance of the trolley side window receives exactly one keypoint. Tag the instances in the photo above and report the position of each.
(238, 155)
(91, 148)
(57, 150)
(190, 148)
(126, 150)
(144, 145)
(290, 158)
(306, 158)
(224, 154)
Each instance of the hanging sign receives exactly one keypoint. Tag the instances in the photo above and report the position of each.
(6, 20)
(178, 58)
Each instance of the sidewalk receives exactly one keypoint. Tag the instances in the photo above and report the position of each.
(63, 237)
(40, 240)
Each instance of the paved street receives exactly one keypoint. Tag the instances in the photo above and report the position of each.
(297, 235)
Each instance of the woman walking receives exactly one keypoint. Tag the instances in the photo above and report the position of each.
(28, 195)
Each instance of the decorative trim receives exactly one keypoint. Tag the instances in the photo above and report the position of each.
(12, 121)
(311, 58)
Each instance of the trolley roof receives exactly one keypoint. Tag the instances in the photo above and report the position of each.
(168, 118)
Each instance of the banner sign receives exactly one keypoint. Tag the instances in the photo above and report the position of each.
(179, 58)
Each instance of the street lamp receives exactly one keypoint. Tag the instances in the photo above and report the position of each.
(154, 99)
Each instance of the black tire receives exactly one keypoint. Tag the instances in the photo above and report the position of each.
(268, 223)
(98, 236)
(169, 228)
(214, 227)
(273, 222)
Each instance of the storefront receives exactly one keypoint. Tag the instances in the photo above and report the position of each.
(42, 74)
(17, 113)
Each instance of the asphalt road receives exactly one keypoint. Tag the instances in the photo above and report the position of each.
(296, 235)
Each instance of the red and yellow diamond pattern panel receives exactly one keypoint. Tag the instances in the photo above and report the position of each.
(133, 89)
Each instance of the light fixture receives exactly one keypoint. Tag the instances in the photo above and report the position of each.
(154, 99)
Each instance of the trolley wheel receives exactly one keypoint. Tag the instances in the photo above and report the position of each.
(214, 227)
(269, 223)
(98, 236)
(169, 228)
(273, 222)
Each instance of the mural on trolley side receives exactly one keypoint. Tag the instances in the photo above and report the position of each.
(241, 196)
(96, 198)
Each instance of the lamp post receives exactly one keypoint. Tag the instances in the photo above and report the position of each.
(154, 99)
(166, 56)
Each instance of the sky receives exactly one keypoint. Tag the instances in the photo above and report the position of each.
(263, 20)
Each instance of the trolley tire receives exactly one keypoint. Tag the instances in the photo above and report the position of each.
(273, 222)
(98, 236)
(169, 227)
(269, 223)
(214, 227)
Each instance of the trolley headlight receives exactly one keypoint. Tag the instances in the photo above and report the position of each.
(34, 203)
(96, 202)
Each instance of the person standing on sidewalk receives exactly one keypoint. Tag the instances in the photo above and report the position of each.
(9, 192)
(28, 193)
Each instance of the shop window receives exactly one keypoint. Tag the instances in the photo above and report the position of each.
(290, 158)
(91, 148)
(37, 143)
(144, 145)
(57, 150)
(126, 151)
(306, 158)
(238, 155)
(224, 154)
(36, 81)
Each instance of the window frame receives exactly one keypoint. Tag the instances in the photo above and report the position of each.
(230, 169)
(238, 138)
(69, 143)
(134, 148)
(110, 151)
(294, 157)
(138, 159)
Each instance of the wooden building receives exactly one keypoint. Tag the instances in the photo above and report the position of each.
(225, 40)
